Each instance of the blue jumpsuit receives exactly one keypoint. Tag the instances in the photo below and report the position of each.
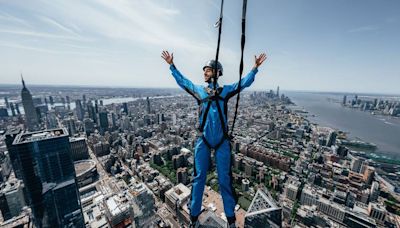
(213, 133)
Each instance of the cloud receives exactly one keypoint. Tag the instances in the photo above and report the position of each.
(47, 50)
(57, 25)
(13, 20)
(40, 34)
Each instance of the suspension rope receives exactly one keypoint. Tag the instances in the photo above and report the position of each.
(219, 24)
(242, 43)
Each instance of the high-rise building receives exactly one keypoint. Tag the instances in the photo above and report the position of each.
(12, 109)
(263, 212)
(51, 100)
(175, 197)
(88, 126)
(103, 119)
(17, 109)
(11, 198)
(331, 139)
(374, 191)
(6, 102)
(356, 164)
(30, 112)
(92, 112)
(70, 123)
(143, 198)
(79, 149)
(182, 175)
(114, 120)
(9, 139)
(245, 185)
(277, 92)
(119, 213)
(3, 112)
(5, 166)
(292, 190)
(43, 159)
(148, 105)
(125, 107)
(369, 174)
(96, 105)
(51, 119)
(80, 113)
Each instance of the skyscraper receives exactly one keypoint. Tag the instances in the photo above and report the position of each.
(331, 139)
(263, 212)
(148, 105)
(30, 112)
(103, 119)
(17, 109)
(44, 161)
(125, 107)
(80, 113)
(96, 106)
(6, 102)
(92, 112)
(277, 92)
(12, 109)
(51, 100)
(70, 123)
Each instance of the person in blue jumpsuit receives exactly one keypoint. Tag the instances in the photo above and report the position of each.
(213, 135)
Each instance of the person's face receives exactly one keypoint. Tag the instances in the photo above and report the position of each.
(208, 74)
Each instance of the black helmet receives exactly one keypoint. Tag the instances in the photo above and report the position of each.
(211, 64)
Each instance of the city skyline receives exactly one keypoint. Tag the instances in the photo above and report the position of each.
(312, 46)
(129, 161)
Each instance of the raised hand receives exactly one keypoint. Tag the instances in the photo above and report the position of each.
(169, 58)
(259, 60)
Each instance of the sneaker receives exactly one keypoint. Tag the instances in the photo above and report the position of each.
(195, 224)
(231, 222)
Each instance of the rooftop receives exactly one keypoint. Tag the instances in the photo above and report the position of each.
(83, 166)
(179, 192)
(40, 135)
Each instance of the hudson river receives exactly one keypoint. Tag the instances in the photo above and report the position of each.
(384, 131)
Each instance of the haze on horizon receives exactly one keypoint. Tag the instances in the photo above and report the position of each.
(312, 45)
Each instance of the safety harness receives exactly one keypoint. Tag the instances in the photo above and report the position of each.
(214, 93)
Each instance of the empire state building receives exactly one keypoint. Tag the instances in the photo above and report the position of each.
(31, 117)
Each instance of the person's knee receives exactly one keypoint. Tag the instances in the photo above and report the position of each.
(200, 176)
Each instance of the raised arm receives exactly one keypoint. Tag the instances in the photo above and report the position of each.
(182, 81)
(249, 79)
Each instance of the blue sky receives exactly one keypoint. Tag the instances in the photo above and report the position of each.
(331, 45)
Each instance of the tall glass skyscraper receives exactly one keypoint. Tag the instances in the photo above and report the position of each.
(44, 161)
